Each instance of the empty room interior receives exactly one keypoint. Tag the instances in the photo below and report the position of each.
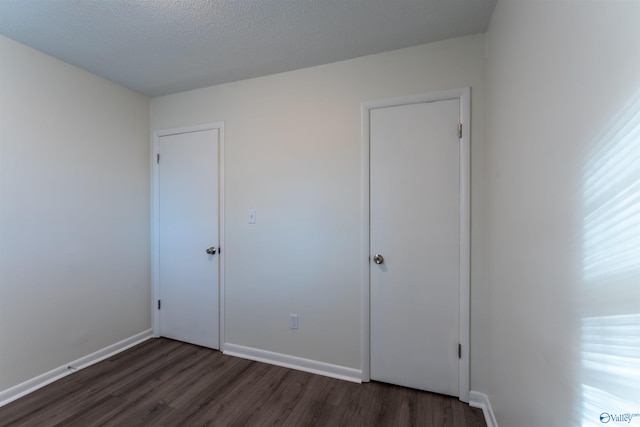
(253, 178)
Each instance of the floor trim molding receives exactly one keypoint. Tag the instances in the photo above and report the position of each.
(294, 362)
(481, 400)
(29, 386)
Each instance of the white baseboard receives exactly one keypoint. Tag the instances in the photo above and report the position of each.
(293, 362)
(22, 389)
(481, 400)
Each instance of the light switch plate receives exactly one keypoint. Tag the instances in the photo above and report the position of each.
(252, 216)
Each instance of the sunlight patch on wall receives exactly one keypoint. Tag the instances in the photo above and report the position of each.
(610, 325)
(611, 230)
(610, 369)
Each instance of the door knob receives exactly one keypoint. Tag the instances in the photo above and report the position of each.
(211, 251)
(378, 259)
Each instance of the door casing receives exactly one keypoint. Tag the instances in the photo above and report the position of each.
(155, 223)
(464, 96)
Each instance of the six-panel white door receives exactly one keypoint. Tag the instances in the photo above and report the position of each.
(414, 226)
(188, 226)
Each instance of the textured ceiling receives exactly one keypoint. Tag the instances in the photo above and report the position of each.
(158, 47)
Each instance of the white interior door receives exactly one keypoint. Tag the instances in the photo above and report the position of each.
(414, 225)
(188, 225)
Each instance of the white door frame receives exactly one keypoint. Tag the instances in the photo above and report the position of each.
(155, 222)
(464, 95)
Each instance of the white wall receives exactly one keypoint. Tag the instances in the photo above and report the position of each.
(74, 214)
(564, 211)
(293, 154)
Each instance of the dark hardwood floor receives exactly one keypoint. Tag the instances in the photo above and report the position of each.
(168, 383)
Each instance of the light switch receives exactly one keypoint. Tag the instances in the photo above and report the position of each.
(252, 216)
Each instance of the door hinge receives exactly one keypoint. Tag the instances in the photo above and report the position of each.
(159, 304)
(459, 351)
(158, 158)
(459, 130)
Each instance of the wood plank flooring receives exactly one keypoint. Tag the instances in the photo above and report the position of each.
(164, 383)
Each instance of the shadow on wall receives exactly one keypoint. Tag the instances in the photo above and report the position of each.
(610, 298)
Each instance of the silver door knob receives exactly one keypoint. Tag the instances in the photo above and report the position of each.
(211, 251)
(378, 259)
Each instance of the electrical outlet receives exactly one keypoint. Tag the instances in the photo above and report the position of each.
(293, 321)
